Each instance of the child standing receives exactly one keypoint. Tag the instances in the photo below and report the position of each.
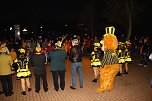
(23, 73)
(95, 63)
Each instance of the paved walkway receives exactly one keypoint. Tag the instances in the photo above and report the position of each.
(132, 87)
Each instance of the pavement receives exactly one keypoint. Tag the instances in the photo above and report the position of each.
(132, 87)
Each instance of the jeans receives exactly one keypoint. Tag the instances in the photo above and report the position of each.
(76, 67)
(144, 58)
(37, 81)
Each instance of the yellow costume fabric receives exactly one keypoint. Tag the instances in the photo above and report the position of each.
(109, 63)
(107, 77)
(23, 71)
(95, 62)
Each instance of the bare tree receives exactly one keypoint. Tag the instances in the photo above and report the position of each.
(122, 12)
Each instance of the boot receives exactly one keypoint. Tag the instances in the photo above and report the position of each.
(125, 72)
(119, 74)
(95, 80)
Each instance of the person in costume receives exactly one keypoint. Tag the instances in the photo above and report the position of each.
(124, 57)
(95, 61)
(127, 56)
(40, 69)
(109, 64)
(23, 72)
(121, 57)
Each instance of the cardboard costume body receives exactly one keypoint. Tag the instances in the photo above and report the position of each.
(109, 64)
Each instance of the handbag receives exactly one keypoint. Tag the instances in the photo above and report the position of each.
(150, 57)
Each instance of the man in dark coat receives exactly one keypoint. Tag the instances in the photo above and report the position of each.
(39, 61)
(57, 66)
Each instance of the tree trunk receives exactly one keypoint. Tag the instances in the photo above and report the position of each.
(129, 26)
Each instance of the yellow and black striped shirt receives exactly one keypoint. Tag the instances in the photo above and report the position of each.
(110, 57)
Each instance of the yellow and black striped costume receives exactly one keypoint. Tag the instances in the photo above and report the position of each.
(95, 59)
(127, 52)
(123, 52)
(110, 57)
(120, 53)
(22, 71)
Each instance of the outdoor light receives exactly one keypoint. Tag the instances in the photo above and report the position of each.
(24, 30)
(66, 25)
(40, 27)
(11, 28)
(18, 33)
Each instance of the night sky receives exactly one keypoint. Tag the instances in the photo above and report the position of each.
(42, 11)
(63, 11)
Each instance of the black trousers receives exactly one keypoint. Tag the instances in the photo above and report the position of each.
(37, 81)
(7, 85)
(61, 75)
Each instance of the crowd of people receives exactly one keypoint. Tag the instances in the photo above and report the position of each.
(107, 57)
(30, 53)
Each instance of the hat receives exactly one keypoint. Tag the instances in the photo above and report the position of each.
(97, 45)
(74, 37)
(110, 30)
(58, 44)
(22, 51)
(38, 49)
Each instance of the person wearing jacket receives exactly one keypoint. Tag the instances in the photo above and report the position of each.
(76, 63)
(57, 65)
(39, 61)
(6, 72)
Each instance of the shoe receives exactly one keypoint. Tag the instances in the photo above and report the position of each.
(9, 94)
(23, 93)
(145, 66)
(72, 88)
(119, 74)
(95, 80)
(62, 88)
(56, 89)
(140, 64)
(46, 90)
(125, 72)
(81, 86)
(1, 92)
(36, 91)
(29, 89)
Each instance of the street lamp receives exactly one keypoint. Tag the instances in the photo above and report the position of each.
(24, 30)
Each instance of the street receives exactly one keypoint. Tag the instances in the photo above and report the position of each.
(132, 87)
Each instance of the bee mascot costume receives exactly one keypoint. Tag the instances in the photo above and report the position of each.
(109, 64)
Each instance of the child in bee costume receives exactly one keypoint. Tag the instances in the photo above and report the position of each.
(124, 56)
(127, 57)
(109, 64)
(95, 61)
(23, 73)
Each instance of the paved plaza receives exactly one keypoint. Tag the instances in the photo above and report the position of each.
(132, 87)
